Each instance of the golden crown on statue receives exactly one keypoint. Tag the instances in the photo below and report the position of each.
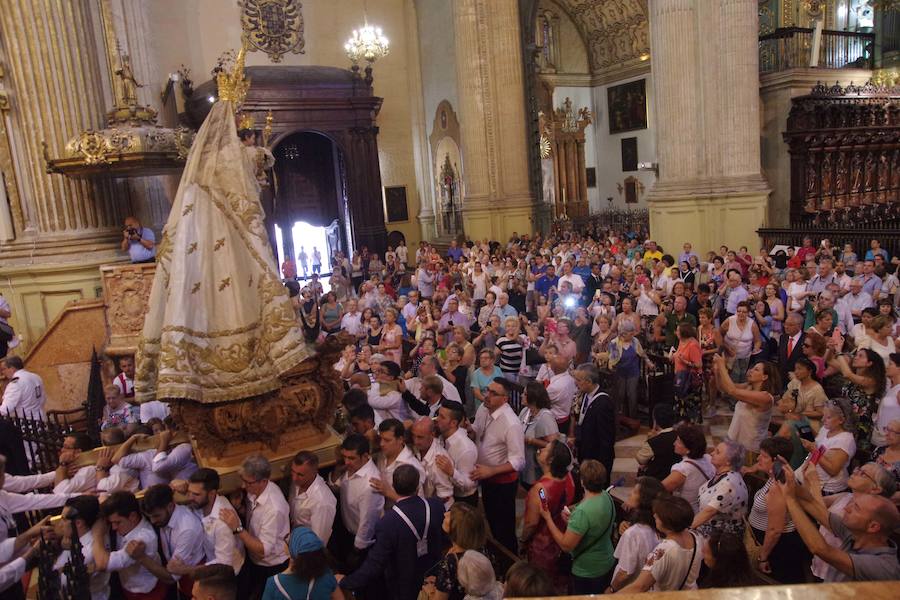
(233, 85)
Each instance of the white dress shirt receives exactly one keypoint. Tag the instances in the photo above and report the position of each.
(562, 390)
(500, 437)
(119, 479)
(414, 387)
(437, 483)
(177, 463)
(132, 575)
(178, 538)
(388, 406)
(142, 464)
(24, 394)
(22, 484)
(351, 324)
(12, 504)
(361, 506)
(406, 457)
(315, 508)
(269, 522)
(220, 545)
(84, 481)
(154, 409)
(13, 569)
(858, 302)
(464, 454)
(99, 580)
(574, 279)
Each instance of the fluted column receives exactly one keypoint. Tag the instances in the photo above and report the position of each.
(57, 92)
(498, 198)
(706, 98)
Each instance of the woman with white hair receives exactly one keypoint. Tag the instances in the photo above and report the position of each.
(625, 356)
(723, 499)
(476, 574)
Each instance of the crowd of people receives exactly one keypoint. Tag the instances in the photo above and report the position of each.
(486, 387)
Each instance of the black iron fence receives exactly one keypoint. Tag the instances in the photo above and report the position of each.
(791, 48)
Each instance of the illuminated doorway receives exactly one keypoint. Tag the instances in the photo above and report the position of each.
(306, 237)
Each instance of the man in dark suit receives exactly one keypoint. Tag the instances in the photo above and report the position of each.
(408, 541)
(657, 455)
(790, 345)
(593, 426)
(593, 283)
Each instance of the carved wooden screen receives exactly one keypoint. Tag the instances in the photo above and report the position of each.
(845, 155)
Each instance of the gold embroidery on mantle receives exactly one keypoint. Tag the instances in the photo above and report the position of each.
(224, 283)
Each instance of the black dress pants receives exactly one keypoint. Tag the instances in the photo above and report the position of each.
(500, 510)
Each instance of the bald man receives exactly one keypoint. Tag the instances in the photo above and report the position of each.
(867, 552)
(437, 482)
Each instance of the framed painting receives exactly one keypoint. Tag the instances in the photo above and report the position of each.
(591, 177)
(395, 208)
(627, 106)
(629, 154)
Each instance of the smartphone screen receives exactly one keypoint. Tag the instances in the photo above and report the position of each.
(778, 471)
(543, 497)
(816, 455)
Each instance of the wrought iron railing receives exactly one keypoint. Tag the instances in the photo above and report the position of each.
(791, 47)
(859, 238)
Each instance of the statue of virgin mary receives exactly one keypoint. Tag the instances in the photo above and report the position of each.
(220, 326)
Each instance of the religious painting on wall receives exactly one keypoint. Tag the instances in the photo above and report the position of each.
(395, 208)
(591, 177)
(627, 106)
(629, 154)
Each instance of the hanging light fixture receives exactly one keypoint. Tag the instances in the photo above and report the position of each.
(366, 43)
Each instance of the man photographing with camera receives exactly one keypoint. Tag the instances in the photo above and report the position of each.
(138, 241)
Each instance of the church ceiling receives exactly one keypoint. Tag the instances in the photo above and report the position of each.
(615, 31)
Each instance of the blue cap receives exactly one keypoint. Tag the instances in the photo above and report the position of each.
(303, 539)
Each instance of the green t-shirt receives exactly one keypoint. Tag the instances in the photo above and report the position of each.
(593, 520)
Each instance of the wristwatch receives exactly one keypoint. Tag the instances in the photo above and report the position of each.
(238, 531)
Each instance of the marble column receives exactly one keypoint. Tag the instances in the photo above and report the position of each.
(710, 189)
(57, 91)
(498, 199)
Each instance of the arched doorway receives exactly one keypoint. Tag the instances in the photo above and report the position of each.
(310, 207)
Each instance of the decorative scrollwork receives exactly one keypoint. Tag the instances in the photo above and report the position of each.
(273, 26)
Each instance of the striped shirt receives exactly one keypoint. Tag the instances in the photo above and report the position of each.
(759, 514)
(510, 354)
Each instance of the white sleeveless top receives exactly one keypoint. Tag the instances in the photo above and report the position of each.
(740, 340)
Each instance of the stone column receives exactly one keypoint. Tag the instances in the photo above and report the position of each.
(56, 92)
(498, 198)
(710, 189)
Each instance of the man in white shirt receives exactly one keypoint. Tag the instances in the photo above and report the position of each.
(428, 368)
(71, 479)
(561, 390)
(12, 503)
(220, 545)
(361, 505)
(24, 394)
(573, 279)
(350, 322)
(173, 463)
(81, 512)
(462, 454)
(141, 462)
(180, 531)
(15, 559)
(110, 477)
(500, 438)
(394, 452)
(384, 396)
(312, 503)
(402, 254)
(135, 543)
(268, 526)
(437, 483)
(411, 308)
(154, 409)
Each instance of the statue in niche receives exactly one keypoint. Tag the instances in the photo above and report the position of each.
(870, 172)
(451, 217)
(840, 182)
(883, 173)
(826, 176)
(856, 172)
(812, 184)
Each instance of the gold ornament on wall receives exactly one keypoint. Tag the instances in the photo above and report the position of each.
(273, 26)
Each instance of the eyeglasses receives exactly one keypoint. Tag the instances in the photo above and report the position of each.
(860, 471)
(250, 481)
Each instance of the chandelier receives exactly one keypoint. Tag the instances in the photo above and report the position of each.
(367, 43)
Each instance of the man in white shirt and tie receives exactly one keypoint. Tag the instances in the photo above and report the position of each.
(135, 541)
(462, 454)
(24, 394)
(312, 502)
(394, 452)
(181, 537)
(383, 395)
(220, 545)
(361, 505)
(500, 438)
(268, 526)
(437, 483)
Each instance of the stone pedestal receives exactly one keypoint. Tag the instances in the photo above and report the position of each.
(711, 190)
(498, 199)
